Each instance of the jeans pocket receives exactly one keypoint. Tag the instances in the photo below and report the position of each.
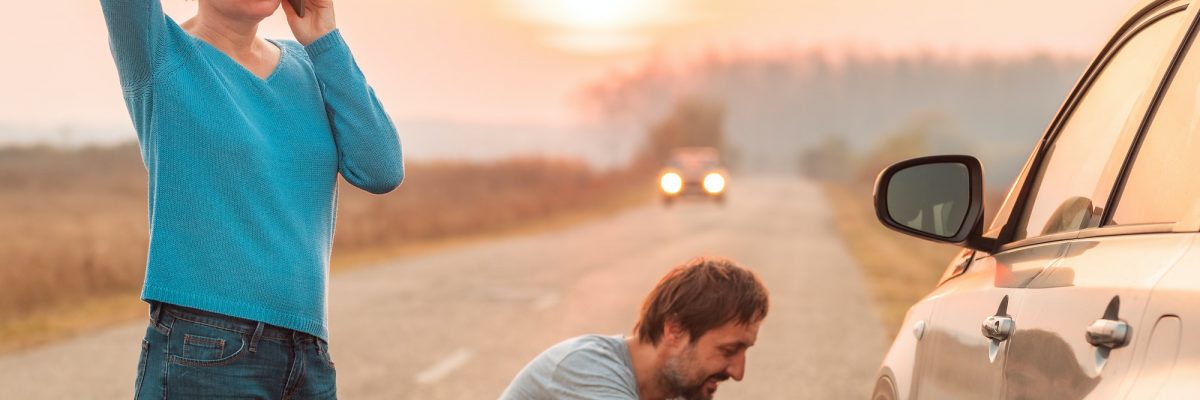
(199, 345)
(196, 347)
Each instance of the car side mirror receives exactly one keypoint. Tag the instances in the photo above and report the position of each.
(938, 198)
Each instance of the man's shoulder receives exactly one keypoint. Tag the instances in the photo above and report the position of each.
(601, 345)
(589, 366)
(594, 360)
(590, 350)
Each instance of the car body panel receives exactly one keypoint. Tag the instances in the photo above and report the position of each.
(903, 359)
(1050, 357)
(1168, 360)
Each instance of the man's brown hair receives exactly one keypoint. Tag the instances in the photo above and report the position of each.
(701, 295)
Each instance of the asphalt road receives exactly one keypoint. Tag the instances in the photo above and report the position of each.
(459, 324)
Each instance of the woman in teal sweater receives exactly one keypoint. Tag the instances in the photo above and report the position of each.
(243, 139)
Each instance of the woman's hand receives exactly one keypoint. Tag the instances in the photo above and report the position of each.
(318, 20)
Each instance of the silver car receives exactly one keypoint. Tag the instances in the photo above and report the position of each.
(1087, 283)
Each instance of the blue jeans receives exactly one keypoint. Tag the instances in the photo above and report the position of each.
(189, 353)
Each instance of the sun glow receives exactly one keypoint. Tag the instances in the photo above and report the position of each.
(599, 26)
(599, 14)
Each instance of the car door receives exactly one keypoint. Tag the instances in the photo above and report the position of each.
(1075, 319)
(959, 361)
(979, 316)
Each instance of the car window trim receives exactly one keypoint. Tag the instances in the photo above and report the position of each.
(1149, 16)
(1056, 237)
(1118, 230)
(1103, 231)
(1155, 103)
(1145, 17)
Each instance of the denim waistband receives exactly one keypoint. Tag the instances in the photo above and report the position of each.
(159, 310)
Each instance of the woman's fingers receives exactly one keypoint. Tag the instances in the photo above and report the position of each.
(317, 21)
(288, 10)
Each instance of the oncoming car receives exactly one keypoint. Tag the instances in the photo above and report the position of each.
(693, 172)
(1087, 282)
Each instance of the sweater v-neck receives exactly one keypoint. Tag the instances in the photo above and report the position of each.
(278, 64)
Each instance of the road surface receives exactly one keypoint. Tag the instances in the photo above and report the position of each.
(459, 324)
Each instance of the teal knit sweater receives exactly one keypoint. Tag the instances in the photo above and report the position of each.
(242, 170)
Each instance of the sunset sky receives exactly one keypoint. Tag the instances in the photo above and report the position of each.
(519, 61)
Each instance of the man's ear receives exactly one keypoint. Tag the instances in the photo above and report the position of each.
(673, 332)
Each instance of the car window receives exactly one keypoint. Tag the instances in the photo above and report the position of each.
(1162, 186)
(1072, 187)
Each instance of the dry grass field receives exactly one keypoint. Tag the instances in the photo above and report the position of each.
(74, 223)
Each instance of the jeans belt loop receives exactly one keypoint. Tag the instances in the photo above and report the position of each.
(155, 312)
(258, 330)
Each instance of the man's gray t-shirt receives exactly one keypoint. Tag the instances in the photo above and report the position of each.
(585, 367)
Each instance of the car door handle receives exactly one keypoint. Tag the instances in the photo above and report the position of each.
(1108, 333)
(998, 327)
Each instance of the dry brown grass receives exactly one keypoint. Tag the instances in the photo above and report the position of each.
(74, 225)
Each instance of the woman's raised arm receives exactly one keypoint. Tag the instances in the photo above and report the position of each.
(135, 35)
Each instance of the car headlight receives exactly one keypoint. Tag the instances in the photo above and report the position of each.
(714, 183)
(671, 183)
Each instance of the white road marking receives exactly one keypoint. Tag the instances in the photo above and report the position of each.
(445, 367)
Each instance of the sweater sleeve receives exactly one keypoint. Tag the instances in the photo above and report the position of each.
(368, 147)
(135, 35)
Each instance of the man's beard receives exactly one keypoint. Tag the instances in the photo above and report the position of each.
(675, 378)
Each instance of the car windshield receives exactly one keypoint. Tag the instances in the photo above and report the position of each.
(695, 159)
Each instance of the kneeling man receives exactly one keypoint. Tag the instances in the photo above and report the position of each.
(693, 332)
